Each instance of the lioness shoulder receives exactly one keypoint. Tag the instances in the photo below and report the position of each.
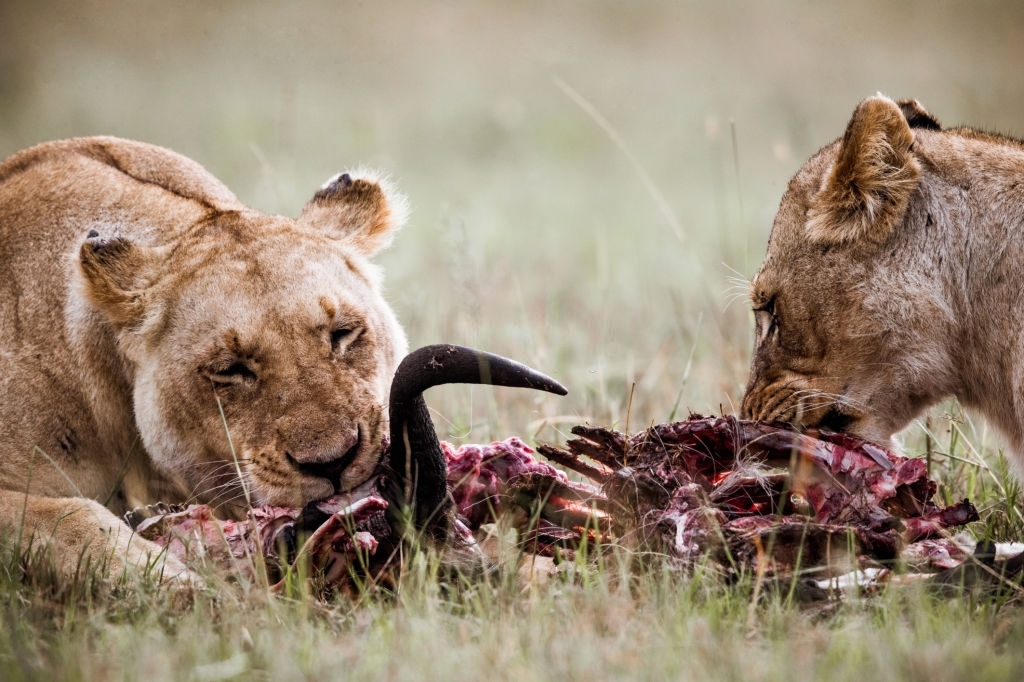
(893, 278)
(159, 340)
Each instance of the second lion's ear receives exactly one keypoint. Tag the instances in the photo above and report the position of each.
(359, 208)
(115, 272)
(866, 192)
(917, 116)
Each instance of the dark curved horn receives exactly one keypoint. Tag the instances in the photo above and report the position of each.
(418, 489)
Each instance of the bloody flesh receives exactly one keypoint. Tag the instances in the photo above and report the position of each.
(762, 494)
(742, 495)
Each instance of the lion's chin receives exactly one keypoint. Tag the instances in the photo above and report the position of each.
(879, 434)
(298, 493)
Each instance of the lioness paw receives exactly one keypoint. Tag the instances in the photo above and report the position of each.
(173, 573)
(360, 207)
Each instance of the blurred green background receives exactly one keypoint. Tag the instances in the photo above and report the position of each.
(590, 181)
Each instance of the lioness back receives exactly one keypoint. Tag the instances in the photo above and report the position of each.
(52, 194)
(161, 341)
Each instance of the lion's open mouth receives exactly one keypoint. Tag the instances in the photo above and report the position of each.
(333, 469)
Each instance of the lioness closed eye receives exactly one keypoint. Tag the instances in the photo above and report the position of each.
(161, 341)
(893, 278)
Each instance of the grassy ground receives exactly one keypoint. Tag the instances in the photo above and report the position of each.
(604, 621)
(591, 182)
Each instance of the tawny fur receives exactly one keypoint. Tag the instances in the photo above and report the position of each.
(893, 278)
(139, 302)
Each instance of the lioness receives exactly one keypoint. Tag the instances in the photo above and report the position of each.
(161, 341)
(894, 277)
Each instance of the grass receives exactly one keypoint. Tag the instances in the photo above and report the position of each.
(604, 619)
(587, 623)
(586, 180)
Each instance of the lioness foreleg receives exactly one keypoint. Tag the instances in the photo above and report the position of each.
(81, 534)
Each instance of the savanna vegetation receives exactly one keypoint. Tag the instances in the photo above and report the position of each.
(591, 183)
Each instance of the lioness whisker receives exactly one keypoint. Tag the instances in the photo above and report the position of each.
(227, 495)
(224, 477)
(737, 284)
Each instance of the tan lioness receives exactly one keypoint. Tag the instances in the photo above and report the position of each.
(160, 341)
(894, 277)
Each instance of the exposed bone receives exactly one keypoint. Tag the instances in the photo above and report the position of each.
(745, 496)
(705, 487)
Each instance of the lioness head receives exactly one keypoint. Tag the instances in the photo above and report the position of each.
(851, 321)
(258, 344)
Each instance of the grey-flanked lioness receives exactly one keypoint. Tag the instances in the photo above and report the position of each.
(161, 341)
(894, 277)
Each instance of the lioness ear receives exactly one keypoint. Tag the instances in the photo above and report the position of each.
(115, 272)
(917, 116)
(865, 194)
(364, 211)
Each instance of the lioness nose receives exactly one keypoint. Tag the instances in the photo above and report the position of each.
(327, 460)
(309, 449)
